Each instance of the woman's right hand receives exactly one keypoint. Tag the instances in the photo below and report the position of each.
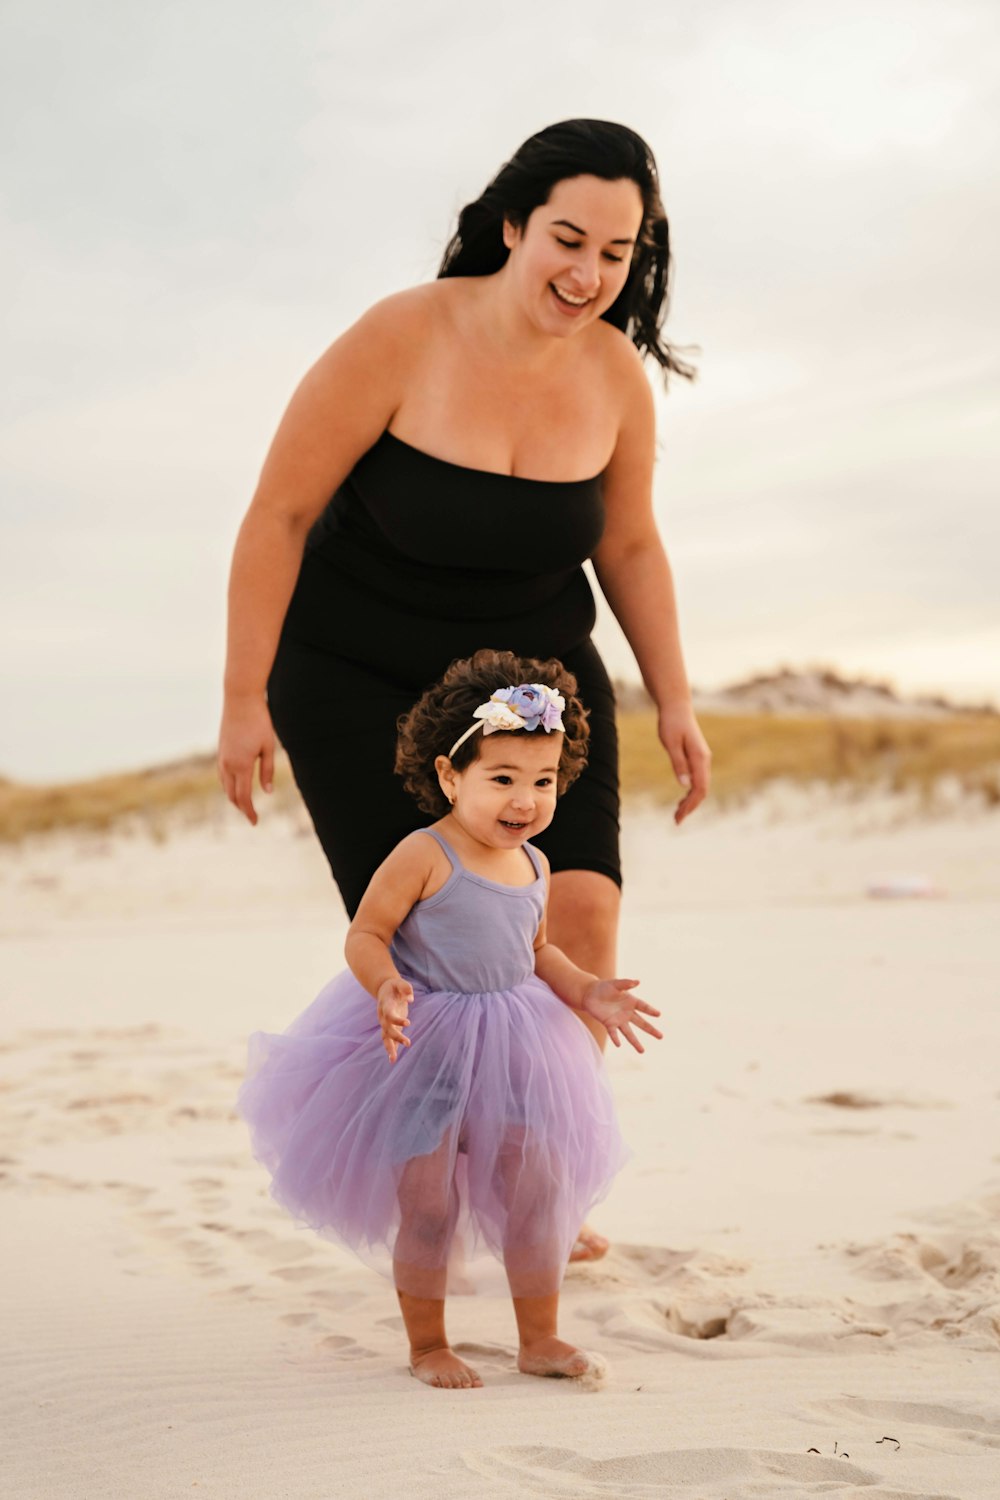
(246, 736)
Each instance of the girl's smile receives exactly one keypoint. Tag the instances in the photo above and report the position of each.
(508, 793)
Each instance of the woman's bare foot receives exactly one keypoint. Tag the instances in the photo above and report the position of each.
(444, 1369)
(589, 1245)
(552, 1356)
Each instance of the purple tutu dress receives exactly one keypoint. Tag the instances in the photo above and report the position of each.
(488, 1140)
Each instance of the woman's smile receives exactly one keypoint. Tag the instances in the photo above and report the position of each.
(568, 303)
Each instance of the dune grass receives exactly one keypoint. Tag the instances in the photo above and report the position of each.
(748, 751)
(104, 801)
(153, 798)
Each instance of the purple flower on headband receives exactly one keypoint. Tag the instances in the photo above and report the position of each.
(534, 703)
(523, 707)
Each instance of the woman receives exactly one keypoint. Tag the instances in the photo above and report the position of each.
(481, 436)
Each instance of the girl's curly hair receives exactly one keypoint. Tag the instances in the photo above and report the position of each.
(435, 722)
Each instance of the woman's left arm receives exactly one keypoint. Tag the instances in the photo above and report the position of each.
(636, 579)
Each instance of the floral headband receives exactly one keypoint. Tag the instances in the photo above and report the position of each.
(525, 707)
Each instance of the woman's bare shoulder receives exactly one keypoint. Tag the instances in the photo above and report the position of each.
(398, 316)
(615, 347)
(375, 353)
(619, 367)
(413, 311)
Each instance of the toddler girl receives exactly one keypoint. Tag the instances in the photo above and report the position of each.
(439, 1097)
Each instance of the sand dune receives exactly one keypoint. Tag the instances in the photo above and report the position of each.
(803, 1296)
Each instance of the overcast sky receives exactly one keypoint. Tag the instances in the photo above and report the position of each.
(198, 197)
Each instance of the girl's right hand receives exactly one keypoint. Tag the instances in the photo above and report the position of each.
(394, 997)
(245, 736)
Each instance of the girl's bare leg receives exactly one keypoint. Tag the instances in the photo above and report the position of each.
(583, 922)
(542, 1352)
(431, 1359)
(531, 1201)
(428, 1207)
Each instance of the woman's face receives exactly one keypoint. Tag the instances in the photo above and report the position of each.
(573, 257)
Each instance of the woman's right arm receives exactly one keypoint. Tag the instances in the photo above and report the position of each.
(340, 408)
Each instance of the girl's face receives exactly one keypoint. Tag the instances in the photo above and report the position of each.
(573, 256)
(508, 793)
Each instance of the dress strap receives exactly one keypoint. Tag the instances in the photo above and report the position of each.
(532, 854)
(456, 863)
(450, 854)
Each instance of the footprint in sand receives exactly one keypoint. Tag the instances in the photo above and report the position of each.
(299, 1273)
(167, 1231)
(859, 1099)
(949, 1287)
(213, 1205)
(654, 1265)
(246, 1290)
(693, 1321)
(271, 1247)
(226, 1163)
(658, 1324)
(945, 1429)
(344, 1347)
(555, 1472)
(650, 1264)
(964, 1267)
(200, 1254)
(129, 1193)
(807, 1323)
(721, 1324)
(334, 1301)
(52, 1182)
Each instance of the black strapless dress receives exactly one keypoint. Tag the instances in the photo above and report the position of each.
(414, 562)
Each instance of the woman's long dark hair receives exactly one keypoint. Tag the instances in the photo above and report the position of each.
(574, 148)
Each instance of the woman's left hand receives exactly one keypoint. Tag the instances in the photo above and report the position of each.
(607, 1001)
(689, 755)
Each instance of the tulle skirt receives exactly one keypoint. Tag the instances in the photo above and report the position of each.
(469, 1164)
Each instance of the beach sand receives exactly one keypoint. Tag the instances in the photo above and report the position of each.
(803, 1294)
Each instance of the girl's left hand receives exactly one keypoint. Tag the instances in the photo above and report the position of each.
(608, 1003)
(689, 755)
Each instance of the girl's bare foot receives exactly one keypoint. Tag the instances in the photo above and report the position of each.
(444, 1369)
(551, 1356)
(589, 1245)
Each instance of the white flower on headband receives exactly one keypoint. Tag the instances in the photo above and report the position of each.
(498, 716)
(526, 707)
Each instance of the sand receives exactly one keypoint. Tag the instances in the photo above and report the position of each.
(803, 1296)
